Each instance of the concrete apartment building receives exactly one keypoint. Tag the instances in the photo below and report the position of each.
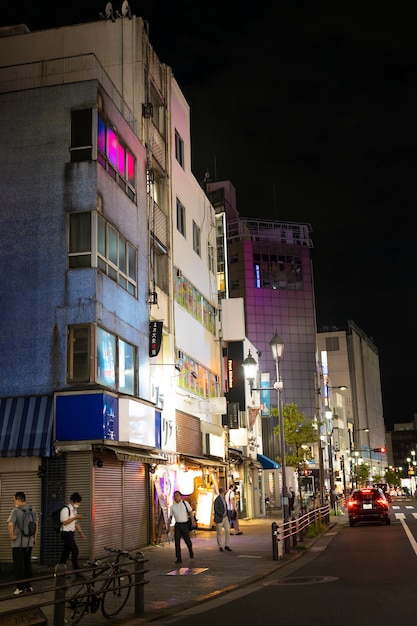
(110, 366)
(350, 385)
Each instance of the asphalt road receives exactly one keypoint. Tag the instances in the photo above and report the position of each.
(351, 576)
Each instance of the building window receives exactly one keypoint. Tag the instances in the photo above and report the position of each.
(332, 344)
(195, 377)
(116, 158)
(210, 257)
(179, 149)
(275, 269)
(196, 238)
(115, 256)
(79, 240)
(114, 359)
(180, 218)
(193, 301)
(158, 110)
(79, 351)
(81, 135)
(159, 265)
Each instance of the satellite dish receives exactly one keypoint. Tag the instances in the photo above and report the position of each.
(108, 13)
(125, 10)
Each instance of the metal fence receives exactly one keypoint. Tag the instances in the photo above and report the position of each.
(55, 588)
(287, 534)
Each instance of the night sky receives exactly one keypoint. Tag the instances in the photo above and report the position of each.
(310, 110)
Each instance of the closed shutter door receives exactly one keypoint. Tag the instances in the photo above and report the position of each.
(78, 478)
(108, 506)
(188, 434)
(136, 508)
(30, 484)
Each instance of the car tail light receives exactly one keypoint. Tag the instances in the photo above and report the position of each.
(382, 502)
(352, 503)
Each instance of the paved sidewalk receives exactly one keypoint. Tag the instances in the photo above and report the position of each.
(211, 573)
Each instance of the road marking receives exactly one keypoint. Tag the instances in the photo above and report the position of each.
(415, 515)
(395, 506)
(409, 507)
(407, 531)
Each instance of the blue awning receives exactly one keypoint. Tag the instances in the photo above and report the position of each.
(267, 463)
(26, 426)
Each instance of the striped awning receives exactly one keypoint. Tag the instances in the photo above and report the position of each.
(26, 426)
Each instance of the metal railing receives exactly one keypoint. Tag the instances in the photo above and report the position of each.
(289, 533)
(56, 588)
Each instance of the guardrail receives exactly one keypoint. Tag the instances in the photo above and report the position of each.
(55, 587)
(292, 531)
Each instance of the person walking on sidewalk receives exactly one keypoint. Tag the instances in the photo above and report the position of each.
(69, 524)
(21, 544)
(180, 509)
(222, 521)
(232, 511)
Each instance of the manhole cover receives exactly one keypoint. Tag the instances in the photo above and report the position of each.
(302, 580)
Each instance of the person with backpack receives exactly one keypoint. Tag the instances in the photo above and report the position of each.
(23, 529)
(70, 517)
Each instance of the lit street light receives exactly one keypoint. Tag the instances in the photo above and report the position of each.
(250, 367)
(277, 347)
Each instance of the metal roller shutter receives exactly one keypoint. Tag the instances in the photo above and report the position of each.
(30, 484)
(121, 505)
(136, 509)
(188, 433)
(108, 505)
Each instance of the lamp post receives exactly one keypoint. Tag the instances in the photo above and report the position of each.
(250, 366)
(329, 415)
(277, 347)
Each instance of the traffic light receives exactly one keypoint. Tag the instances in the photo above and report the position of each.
(382, 450)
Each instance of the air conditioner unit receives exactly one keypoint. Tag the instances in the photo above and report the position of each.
(147, 109)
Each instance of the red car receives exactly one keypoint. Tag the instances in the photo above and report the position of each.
(368, 505)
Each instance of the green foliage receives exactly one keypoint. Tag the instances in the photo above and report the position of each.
(300, 434)
(315, 529)
(361, 474)
(392, 479)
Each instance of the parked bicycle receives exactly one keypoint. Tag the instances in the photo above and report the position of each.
(109, 588)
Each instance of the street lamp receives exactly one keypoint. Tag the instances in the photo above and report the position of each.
(250, 366)
(277, 347)
(328, 413)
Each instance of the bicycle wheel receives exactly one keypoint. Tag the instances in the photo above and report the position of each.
(116, 593)
(76, 604)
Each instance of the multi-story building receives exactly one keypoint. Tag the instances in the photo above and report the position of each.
(268, 264)
(351, 386)
(110, 363)
(402, 450)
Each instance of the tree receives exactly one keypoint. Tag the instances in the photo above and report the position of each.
(300, 434)
(392, 478)
(361, 474)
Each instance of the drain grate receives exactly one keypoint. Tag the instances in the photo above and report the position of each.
(302, 580)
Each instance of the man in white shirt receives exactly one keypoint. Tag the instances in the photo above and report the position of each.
(232, 511)
(69, 524)
(179, 510)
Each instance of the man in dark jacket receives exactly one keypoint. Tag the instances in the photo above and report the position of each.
(222, 521)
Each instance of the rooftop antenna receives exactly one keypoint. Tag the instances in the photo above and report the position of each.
(275, 202)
